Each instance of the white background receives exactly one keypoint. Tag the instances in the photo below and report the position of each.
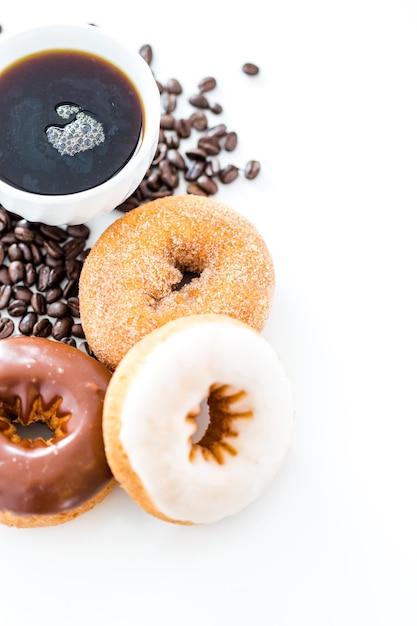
(333, 119)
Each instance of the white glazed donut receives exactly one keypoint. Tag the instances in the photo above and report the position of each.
(150, 419)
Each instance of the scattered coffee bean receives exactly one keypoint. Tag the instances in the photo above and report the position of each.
(38, 303)
(230, 141)
(57, 309)
(174, 86)
(252, 169)
(250, 68)
(16, 271)
(229, 174)
(70, 341)
(22, 293)
(42, 328)
(17, 308)
(6, 327)
(146, 52)
(5, 295)
(207, 184)
(207, 84)
(27, 323)
(199, 100)
(62, 328)
(216, 108)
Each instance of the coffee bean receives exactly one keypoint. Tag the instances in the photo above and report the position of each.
(77, 331)
(53, 293)
(37, 255)
(199, 120)
(229, 141)
(174, 86)
(183, 128)
(193, 188)
(43, 278)
(56, 275)
(15, 253)
(73, 247)
(16, 271)
(199, 100)
(4, 275)
(6, 327)
(169, 102)
(27, 323)
(207, 84)
(175, 158)
(5, 221)
(17, 308)
(24, 232)
(250, 68)
(5, 295)
(195, 170)
(26, 251)
(77, 230)
(197, 154)
(216, 108)
(73, 268)
(31, 275)
(207, 184)
(56, 233)
(217, 131)
(70, 341)
(74, 306)
(71, 288)
(228, 174)
(38, 303)
(57, 309)
(252, 169)
(42, 328)
(62, 328)
(22, 293)
(86, 348)
(8, 238)
(213, 167)
(146, 53)
(167, 121)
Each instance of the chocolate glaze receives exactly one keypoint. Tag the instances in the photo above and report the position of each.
(46, 477)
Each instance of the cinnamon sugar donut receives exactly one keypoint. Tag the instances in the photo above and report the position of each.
(151, 428)
(51, 480)
(173, 257)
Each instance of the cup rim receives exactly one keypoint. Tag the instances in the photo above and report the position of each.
(151, 110)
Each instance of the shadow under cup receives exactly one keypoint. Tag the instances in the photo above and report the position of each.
(82, 116)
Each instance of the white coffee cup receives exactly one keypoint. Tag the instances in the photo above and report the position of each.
(80, 207)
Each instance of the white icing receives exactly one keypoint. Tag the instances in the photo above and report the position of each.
(174, 380)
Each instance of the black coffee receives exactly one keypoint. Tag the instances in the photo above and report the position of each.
(68, 121)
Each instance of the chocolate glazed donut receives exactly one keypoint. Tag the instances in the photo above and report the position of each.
(47, 481)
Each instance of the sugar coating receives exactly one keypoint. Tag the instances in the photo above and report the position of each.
(129, 279)
(149, 426)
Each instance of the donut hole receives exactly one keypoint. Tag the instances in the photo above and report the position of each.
(216, 422)
(42, 426)
(187, 276)
(202, 420)
(35, 430)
